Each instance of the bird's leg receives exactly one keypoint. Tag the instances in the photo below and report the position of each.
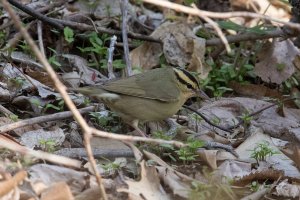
(135, 125)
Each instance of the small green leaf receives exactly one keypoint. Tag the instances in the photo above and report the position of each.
(69, 34)
(229, 25)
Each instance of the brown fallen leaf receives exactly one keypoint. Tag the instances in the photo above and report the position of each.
(10, 184)
(293, 152)
(58, 191)
(148, 187)
(276, 61)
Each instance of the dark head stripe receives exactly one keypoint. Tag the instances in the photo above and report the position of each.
(189, 75)
(183, 81)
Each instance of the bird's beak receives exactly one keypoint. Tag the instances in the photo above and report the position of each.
(202, 95)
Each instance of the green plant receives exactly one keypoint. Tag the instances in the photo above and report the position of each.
(166, 150)
(14, 117)
(69, 34)
(17, 82)
(220, 77)
(163, 136)
(99, 52)
(2, 37)
(97, 45)
(36, 102)
(117, 63)
(189, 152)
(106, 120)
(53, 59)
(259, 29)
(254, 186)
(280, 66)
(111, 167)
(196, 117)
(59, 107)
(86, 101)
(211, 190)
(25, 48)
(47, 145)
(216, 120)
(189, 2)
(262, 151)
(246, 118)
(290, 83)
(99, 118)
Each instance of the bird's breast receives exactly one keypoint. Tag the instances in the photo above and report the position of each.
(130, 108)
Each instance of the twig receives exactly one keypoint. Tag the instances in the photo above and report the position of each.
(62, 89)
(40, 37)
(113, 41)
(241, 121)
(61, 160)
(124, 7)
(41, 119)
(207, 120)
(46, 8)
(5, 111)
(178, 144)
(41, 10)
(249, 37)
(86, 27)
(135, 138)
(36, 14)
(59, 24)
(214, 145)
(218, 15)
(13, 41)
(98, 152)
(217, 29)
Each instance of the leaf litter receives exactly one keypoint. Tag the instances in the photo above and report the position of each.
(267, 143)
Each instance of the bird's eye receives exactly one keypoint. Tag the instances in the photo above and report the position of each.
(189, 86)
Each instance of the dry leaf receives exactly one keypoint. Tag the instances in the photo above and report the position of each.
(293, 152)
(209, 157)
(148, 187)
(287, 190)
(276, 63)
(57, 191)
(35, 138)
(50, 174)
(179, 186)
(231, 169)
(278, 161)
(180, 47)
(7, 187)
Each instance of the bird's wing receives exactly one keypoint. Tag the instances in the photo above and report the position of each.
(154, 84)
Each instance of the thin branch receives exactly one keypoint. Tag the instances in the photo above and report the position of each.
(36, 14)
(135, 138)
(207, 120)
(5, 111)
(59, 24)
(40, 37)
(10, 44)
(86, 27)
(218, 15)
(41, 119)
(62, 89)
(249, 37)
(242, 121)
(61, 160)
(124, 7)
(113, 41)
(217, 29)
